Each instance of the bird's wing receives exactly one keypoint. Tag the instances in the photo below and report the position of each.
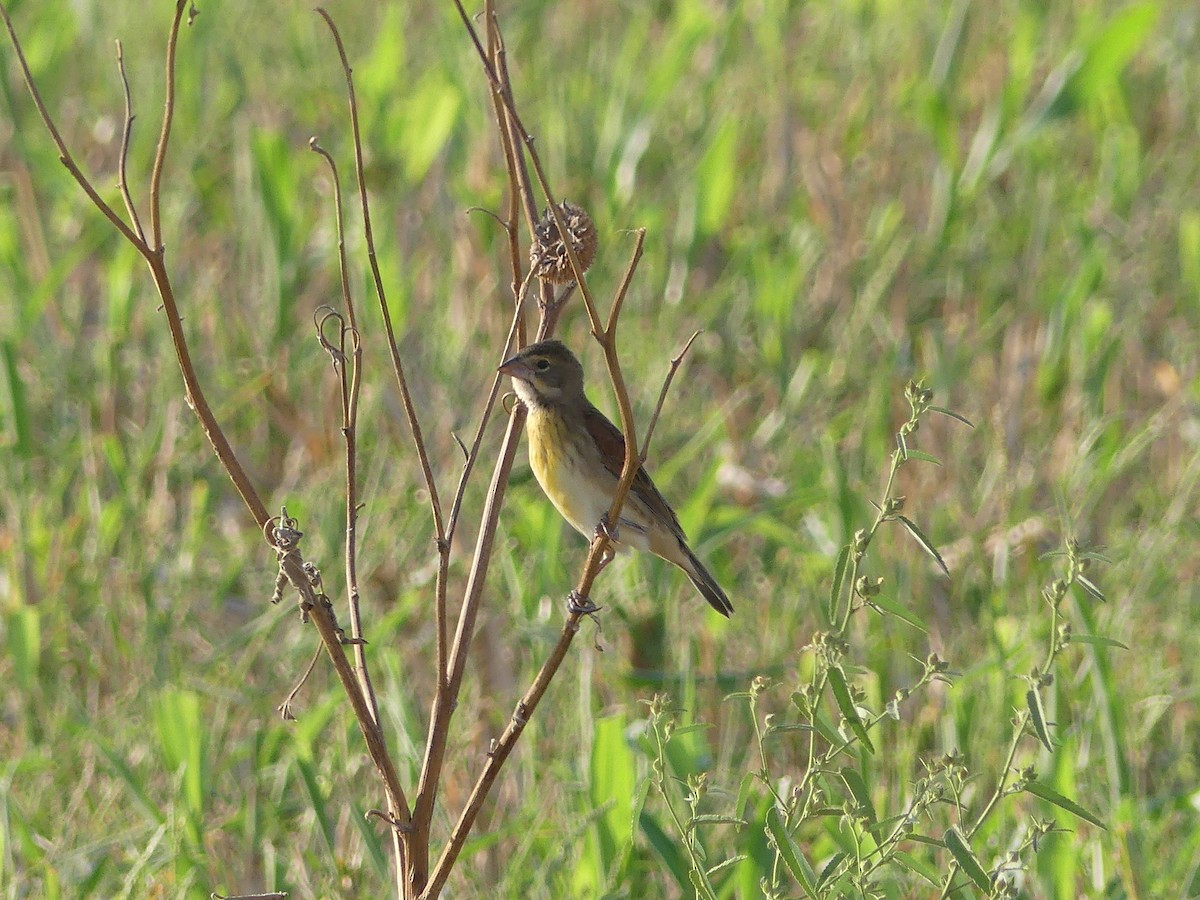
(611, 444)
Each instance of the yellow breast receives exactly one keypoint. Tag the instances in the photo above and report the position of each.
(563, 470)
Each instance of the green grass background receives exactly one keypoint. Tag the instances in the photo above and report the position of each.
(1001, 197)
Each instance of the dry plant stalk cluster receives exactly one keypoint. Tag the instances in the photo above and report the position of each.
(552, 261)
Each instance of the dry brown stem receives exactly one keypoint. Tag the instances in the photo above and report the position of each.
(410, 827)
(153, 252)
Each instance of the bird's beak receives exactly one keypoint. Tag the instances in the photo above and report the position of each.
(517, 368)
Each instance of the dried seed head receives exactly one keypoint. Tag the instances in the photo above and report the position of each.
(548, 255)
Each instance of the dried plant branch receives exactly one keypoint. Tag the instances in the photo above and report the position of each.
(512, 166)
(597, 554)
(320, 611)
(291, 563)
(350, 379)
(499, 88)
(662, 395)
(447, 695)
(123, 157)
(164, 135)
(407, 837)
(64, 155)
(397, 365)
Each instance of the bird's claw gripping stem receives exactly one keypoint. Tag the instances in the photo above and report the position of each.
(579, 605)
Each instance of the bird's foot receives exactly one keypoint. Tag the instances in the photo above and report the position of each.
(579, 605)
(604, 528)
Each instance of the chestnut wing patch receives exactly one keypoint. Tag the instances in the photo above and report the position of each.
(611, 444)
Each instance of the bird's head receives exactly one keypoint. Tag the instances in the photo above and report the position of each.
(545, 374)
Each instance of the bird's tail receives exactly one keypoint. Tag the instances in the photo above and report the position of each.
(706, 584)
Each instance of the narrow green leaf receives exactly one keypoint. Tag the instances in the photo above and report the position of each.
(925, 839)
(922, 456)
(862, 796)
(827, 812)
(639, 804)
(825, 727)
(667, 850)
(1034, 700)
(918, 867)
(924, 542)
(891, 607)
(732, 861)
(1097, 640)
(830, 869)
(1052, 796)
(746, 791)
(952, 414)
(841, 693)
(966, 860)
(839, 576)
(717, 819)
(1090, 588)
(790, 853)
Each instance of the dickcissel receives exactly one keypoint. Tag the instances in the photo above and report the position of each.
(577, 454)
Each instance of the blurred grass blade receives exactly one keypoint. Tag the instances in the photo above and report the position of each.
(24, 630)
(791, 854)
(1038, 714)
(14, 416)
(612, 780)
(318, 804)
(924, 542)
(841, 693)
(181, 736)
(718, 175)
(1111, 51)
(966, 860)
(1052, 796)
(668, 852)
(369, 834)
(639, 804)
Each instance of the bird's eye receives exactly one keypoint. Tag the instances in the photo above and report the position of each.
(542, 364)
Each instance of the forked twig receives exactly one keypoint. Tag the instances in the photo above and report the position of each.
(123, 158)
(64, 155)
(501, 88)
(350, 381)
(410, 410)
(291, 563)
(504, 745)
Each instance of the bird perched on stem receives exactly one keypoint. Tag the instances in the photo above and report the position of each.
(577, 455)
